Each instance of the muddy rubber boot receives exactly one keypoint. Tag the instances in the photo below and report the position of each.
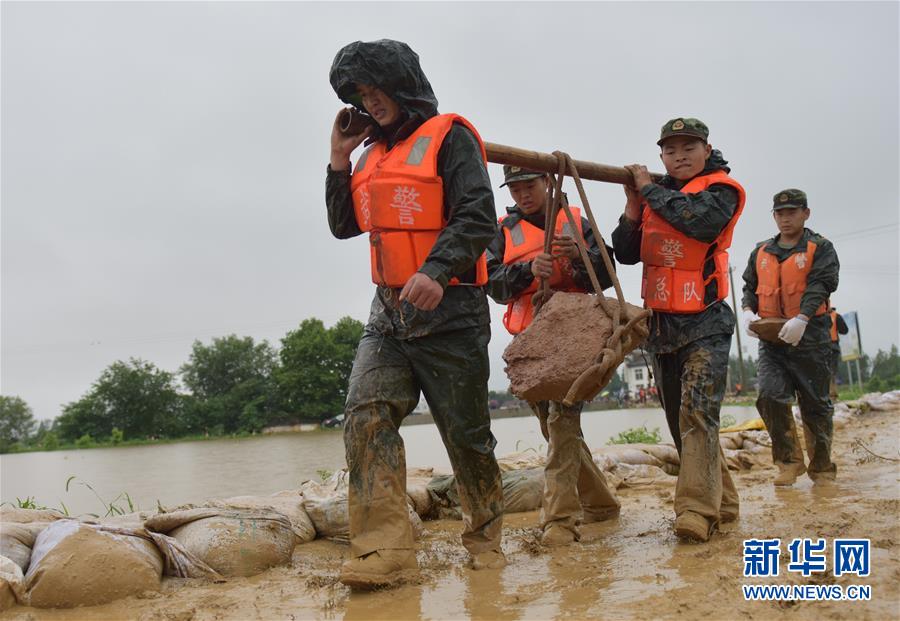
(789, 473)
(381, 568)
(600, 515)
(822, 477)
(693, 527)
(490, 559)
(557, 535)
(728, 514)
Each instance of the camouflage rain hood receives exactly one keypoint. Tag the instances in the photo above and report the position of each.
(389, 65)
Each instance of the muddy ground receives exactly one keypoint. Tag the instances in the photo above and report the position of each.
(633, 568)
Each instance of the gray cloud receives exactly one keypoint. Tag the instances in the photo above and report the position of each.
(163, 163)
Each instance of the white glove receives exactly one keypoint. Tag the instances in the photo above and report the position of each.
(748, 316)
(792, 331)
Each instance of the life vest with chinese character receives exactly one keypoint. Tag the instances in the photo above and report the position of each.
(781, 285)
(524, 241)
(674, 263)
(398, 198)
(834, 330)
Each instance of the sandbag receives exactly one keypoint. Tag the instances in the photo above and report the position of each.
(25, 516)
(731, 441)
(630, 454)
(17, 540)
(419, 498)
(566, 338)
(523, 490)
(233, 542)
(521, 460)
(12, 589)
(77, 564)
(882, 402)
(642, 475)
(329, 512)
(289, 503)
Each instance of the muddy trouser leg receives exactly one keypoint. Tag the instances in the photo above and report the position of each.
(561, 504)
(703, 368)
(776, 393)
(452, 370)
(598, 500)
(730, 500)
(382, 392)
(668, 386)
(835, 362)
(810, 368)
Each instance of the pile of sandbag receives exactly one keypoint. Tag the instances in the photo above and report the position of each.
(882, 401)
(72, 563)
(239, 536)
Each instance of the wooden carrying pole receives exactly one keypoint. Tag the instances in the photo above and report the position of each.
(545, 162)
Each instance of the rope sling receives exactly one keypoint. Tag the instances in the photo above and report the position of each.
(627, 333)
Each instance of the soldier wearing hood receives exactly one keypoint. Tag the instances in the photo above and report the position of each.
(680, 229)
(422, 192)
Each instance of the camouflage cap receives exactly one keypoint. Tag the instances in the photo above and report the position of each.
(517, 173)
(791, 197)
(683, 127)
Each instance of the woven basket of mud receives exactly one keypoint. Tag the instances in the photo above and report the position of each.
(571, 349)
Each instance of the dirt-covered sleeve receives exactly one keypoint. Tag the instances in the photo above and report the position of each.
(339, 200)
(626, 240)
(582, 279)
(505, 282)
(469, 203)
(700, 216)
(822, 280)
(750, 299)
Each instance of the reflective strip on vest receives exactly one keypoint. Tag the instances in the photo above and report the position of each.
(362, 159)
(417, 153)
(517, 234)
(398, 199)
(780, 285)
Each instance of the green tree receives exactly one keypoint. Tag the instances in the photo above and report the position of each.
(231, 382)
(16, 422)
(886, 365)
(134, 396)
(315, 367)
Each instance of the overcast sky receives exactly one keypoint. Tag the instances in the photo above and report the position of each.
(163, 163)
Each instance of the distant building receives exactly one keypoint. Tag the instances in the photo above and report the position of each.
(636, 373)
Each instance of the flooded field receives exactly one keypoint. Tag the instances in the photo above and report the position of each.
(630, 568)
(192, 471)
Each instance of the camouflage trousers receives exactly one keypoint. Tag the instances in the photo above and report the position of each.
(805, 371)
(451, 370)
(575, 489)
(691, 383)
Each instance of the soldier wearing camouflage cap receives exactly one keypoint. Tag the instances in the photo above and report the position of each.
(680, 228)
(575, 489)
(791, 277)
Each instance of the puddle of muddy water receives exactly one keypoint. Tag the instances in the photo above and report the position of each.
(193, 471)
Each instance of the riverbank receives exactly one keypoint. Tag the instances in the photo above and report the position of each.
(632, 568)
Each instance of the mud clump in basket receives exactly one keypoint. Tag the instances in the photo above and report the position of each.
(565, 338)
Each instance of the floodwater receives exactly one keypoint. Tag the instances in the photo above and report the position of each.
(182, 472)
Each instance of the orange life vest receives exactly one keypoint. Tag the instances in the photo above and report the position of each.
(524, 241)
(780, 286)
(834, 330)
(673, 262)
(398, 198)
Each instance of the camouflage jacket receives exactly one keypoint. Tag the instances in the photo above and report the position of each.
(506, 282)
(821, 282)
(701, 216)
